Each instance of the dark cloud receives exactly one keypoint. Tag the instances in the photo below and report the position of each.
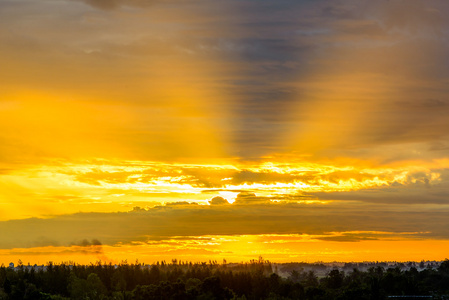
(87, 247)
(218, 201)
(86, 243)
(188, 221)
(250, 198)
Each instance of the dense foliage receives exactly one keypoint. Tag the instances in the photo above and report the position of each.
(255, 280)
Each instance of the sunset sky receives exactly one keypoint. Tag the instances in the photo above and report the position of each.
(297, 130)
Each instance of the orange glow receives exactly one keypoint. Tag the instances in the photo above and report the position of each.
(284, 248)
(61, 187)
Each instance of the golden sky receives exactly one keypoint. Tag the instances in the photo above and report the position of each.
(296, 130)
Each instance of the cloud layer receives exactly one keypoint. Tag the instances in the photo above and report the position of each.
(172, 81)
(336, 222)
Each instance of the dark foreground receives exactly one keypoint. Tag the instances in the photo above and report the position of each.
(255, 280)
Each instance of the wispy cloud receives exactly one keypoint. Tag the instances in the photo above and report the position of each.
(323, 78)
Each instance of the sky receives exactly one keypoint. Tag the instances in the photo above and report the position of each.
(227, 130)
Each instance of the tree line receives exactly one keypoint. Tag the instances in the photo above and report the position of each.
(182, 280)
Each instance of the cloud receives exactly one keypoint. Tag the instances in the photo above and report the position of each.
(86, 243)
(284, 76)
(112, 4)
(416, 188)
(87, 247)
(414, 15)
(250, 198)
(180, 203)
(246, 219)
(218, 201)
